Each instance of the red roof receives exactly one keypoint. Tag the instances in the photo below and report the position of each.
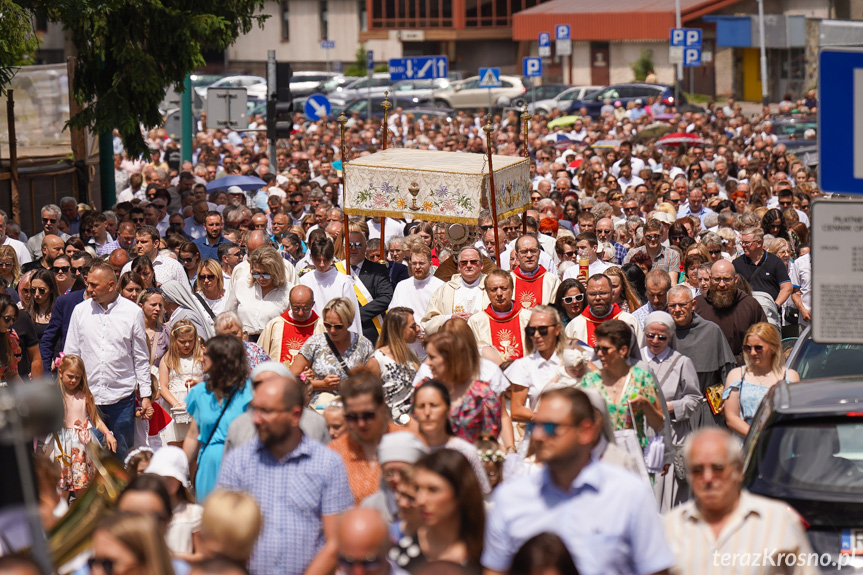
(618, 20)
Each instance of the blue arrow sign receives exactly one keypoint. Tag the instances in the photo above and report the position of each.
(489, 77)
(544, 39)
(328, 44)
(317, 106)
(532, 67)
(561, 32)
(421, 68)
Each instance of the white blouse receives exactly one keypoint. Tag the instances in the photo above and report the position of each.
(255, 310)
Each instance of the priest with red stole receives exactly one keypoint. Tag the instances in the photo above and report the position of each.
(600, 309)
(534, 285)
(284, 335)
(499, 328)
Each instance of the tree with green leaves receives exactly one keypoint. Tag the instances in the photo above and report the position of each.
(131, 51)
(17, 40)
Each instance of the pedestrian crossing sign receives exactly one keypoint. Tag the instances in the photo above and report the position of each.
(489, 77)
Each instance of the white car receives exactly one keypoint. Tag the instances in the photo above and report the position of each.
(562, 101)
(363, 87)
(254, 85)
(468, 94)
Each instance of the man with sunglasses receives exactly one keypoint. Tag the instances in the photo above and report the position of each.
(462, 296)
(663, 258)
(605, 515)
(763, 270)
(296, 208)
(600, 309)
(300, 486)
(50, 216)
(605, 234)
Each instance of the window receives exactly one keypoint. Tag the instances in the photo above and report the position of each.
(323, 15)
(286, 19)
(364, 16)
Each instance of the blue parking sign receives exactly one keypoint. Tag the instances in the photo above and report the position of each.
(532, 67)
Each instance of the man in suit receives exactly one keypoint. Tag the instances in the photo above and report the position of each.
(376, 289)
(54, 337)
(397, 271)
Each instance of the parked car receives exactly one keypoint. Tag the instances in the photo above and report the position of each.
(626, 93)
(562, 101)
(820, 360)
(805, 447)
(543, 92)
(790, 130)
(334, 83)
(305, 83)
(362, 86)
(415, 90)
(468, 94)
(361, 106)
(254, 85)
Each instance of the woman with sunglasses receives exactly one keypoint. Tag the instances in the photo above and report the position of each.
(210, 285)
(43, 294)
(263, 295)
(62, 270)
(317, 359)
(10, 270)
(678, 380)
(10, 346)
(569, 300)
(189, 256)
(763, 368)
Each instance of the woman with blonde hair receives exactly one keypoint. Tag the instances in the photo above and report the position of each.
(746, 386)
(210, 286)
(264, 296)
(131, 544)
(230, 526)
(10, 269)
(395, 362)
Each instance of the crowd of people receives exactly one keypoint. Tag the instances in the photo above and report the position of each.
(571, 398)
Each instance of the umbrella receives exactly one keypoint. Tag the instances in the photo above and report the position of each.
(654, 130)
(563, 121)
(606, 144)
(664, 117)
(245, 183)
(678, 138)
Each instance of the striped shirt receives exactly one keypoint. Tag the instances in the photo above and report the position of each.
(757, 531)
(294, 493)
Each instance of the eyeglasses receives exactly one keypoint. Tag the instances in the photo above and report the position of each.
(603, 349)
(652, 237)
(509, 229)
(569, 254)
(678, 305)
(334, 325)
(372, 563)
(468, 263)
(530, 330)
(206, 277)
(355, 245)
(483, 228)
(755, 348)
(571, 299)
(602, 232)
(306, 307)
(785, 203)
(54, 220)
(295, 202)
(40, 291)
(83, 270)
(549, 428)
(697, 470)
(536, 197)
(187, 260)
(529, 252)
(237, 254)
(714, 252)
(6, 265)
(675, 238)
(656, 336)
(365, 416)
(673, 201)
(598, 293)
(722, 281)
(138, 220)
(261, 276)
(263, 410)
(632, 209)
(8, 318)
(749, 243)
(61, 269)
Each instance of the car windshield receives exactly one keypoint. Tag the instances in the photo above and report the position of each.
(826, 456)
(792, 128)
(818, 360)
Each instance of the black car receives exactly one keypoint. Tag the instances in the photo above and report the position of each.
(790, 130)
(805, 447)
(625, 93)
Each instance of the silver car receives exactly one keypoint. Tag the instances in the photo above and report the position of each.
(256, 86)
(562, 101)
(468, 94)
(363, 87)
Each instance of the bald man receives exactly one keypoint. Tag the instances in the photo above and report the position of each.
(258, 239)
(52, 247)
(118, 259)
(363, 538)
(284, 335)
(732, 309)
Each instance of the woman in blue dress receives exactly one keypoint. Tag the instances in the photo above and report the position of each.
(214, 404)
(746, 386)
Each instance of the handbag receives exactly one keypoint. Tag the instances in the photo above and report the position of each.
(339, 357)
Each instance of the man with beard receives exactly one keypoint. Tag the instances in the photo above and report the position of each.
(600, 309)
(499, 328)
(704, 343)
(733, 310)
(656, 286)
(416, 292)
(209, 243)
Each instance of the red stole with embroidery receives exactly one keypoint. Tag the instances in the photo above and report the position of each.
(592, 322)
(528, 290)
(506, 336)
(295, 334)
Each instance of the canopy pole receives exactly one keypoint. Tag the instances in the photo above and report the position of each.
(342, 120)
(384, 134)
(493, 199)
(524, 118)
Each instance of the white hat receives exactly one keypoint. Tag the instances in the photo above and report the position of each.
(170, 461)
(663, 217)
(273, 366)
(401, 446)
(235, 190)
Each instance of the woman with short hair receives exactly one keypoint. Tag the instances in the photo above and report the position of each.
(10, 269)
(265, 294)
(210, 286)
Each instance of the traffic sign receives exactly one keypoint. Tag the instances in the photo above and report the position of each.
(837, 265)
(532, 67)
(685, 46)
(841, 167)
(564, 40)
(489, 77)
(370, 60)
(561, 32)
(422, 68)
(317, 107)
(692, 56)
(686, 37)
(227, 108)
(544, 45)
(328, 44)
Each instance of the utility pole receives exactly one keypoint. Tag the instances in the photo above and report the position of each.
(764, 101)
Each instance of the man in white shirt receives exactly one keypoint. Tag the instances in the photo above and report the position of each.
(107, 332)
(166, 268)
(635, 162)
(462, 296)
(586, 242)
(416, 292)
(625, 178)
(194, 224)
(20, 248)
